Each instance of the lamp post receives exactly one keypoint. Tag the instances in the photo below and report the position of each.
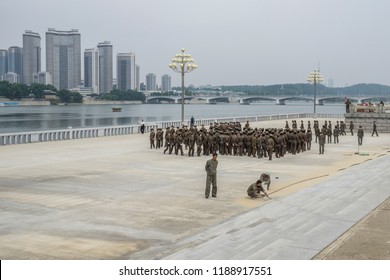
(315, 77)
(182, 63)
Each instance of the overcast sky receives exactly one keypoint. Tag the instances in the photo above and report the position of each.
(234, 42)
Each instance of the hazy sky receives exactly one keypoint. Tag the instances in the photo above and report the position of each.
(234, 42)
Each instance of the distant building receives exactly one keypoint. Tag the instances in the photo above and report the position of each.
(11, 77)
(151, 82)
(31, 56)
(15, 61)
(42, 78)
(165, 83)
(3, 62)
(63, 57)
(91, 70)
(105, 67)
(125, 73)
(137, 76)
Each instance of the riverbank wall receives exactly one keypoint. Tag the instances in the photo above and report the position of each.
(366, 120)
(92, 132)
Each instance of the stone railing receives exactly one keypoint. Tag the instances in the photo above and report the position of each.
(370, 108)
(92, 132)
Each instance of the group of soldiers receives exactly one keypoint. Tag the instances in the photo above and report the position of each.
(233, 139)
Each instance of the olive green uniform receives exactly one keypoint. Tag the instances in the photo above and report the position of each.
(211, 169)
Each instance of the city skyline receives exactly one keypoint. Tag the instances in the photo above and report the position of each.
(266, 42)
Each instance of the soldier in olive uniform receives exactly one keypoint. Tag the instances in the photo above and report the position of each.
(321, 141)
(360, 134)
(351, 127)
(270, 146)
(211, 179)
(255, 190)
(336, 134)
(199, 143)
(374, 129)
(152, 136)
(191, 145)
(308, 139)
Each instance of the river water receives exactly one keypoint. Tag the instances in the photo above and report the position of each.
(31, 118)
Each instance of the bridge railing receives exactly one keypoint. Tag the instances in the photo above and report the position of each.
(94, 132)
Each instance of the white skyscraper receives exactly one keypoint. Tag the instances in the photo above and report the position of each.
(105, 67)
(91, 69)
(63, 58)
(31, 56)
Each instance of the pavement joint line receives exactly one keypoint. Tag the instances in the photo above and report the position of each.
(346, 234)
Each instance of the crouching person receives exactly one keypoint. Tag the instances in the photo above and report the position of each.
(255, 189)
(266, 180)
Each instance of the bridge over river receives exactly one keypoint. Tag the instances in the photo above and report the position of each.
(279, 100)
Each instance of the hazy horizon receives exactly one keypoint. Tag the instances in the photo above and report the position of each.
(248, 42)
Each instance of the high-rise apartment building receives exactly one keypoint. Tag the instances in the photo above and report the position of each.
(151, 82)
(31, 56)
(105, 67)
(165, 83)
(125, 74)
(63, 58)
(91, 69)
(3, 62)
(137, 77)
(15, 61)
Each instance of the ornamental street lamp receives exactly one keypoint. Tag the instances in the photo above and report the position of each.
(182, 63)
(315, 77)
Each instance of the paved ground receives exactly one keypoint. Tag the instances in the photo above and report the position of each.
(114, 198)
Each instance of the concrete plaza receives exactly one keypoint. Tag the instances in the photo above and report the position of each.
(115, 198)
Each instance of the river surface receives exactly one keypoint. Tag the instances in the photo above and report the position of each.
(31, 118)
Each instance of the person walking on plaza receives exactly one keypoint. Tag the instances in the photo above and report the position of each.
(360, 135)
(374, 129)
(351, 127)
(211, 169)
(321, 141)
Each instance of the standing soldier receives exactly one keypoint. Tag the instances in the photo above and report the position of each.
(152, 137)
(308, 139)
(270, 146)
(374, 129)
(336, 134)
(321, 141)
(360, 135)
(191, 145)
(342, 128)
(211, 169)
(329, 133)
(302, 125)
(199, 144)
(294, 142)
(278, 145)
(351, 127)
(286, 126)
(179, 142)
(168, 143)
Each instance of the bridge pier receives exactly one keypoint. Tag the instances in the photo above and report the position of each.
(280, 102)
